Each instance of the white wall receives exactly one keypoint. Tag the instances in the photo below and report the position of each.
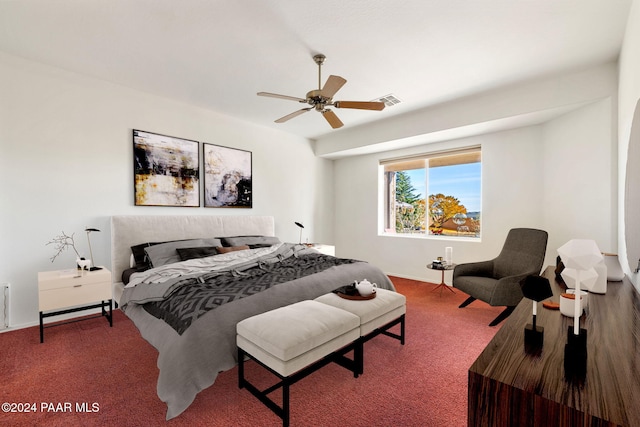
(66, 162)
(559, 176)
(580, 177)
(629, 94)
(510, 198)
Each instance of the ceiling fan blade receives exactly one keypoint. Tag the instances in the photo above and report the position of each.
(275, 95)
(360, 105)
(292, 115)
(333, 84)
(333, 120)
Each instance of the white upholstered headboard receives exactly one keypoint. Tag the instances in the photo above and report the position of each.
(130, 230)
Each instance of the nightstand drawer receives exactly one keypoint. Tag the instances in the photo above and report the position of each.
(78, 294)
(67, 278)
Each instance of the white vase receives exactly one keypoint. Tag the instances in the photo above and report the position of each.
(567, 305)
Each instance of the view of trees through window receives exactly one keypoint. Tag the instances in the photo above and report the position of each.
(452, 207)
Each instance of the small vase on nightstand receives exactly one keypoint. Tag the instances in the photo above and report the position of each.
(83, 264)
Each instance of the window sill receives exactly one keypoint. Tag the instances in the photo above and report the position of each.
(440, 238)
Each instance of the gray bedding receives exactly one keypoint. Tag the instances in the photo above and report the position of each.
(190, 362)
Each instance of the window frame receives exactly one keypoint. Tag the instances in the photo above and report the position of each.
(387, 211)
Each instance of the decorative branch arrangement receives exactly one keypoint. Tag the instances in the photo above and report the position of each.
(61, 243)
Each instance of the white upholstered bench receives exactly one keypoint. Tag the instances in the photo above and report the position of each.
(296, 340)
(376, 316)
(293, 342)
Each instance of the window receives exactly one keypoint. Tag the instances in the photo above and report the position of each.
(436, 194)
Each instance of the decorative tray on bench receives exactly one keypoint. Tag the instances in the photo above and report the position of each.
(350, 292)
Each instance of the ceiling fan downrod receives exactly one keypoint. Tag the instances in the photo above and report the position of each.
(319, 59)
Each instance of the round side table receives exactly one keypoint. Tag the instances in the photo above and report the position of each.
(443, 268)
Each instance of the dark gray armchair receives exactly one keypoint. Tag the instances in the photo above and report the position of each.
(497, 282)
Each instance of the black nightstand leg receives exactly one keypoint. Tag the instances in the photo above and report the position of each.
(41, 329)
(109, 315)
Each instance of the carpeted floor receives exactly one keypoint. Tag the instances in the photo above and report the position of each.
(89, 374)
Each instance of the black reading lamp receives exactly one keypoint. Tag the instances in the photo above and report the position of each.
(89, 230)
(536, 288)
(301, 227)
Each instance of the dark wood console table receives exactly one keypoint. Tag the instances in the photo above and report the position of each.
(509, 386)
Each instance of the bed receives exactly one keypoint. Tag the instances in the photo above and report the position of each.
(207, 274)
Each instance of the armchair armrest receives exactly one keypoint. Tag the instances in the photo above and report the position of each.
(482, 269)
(507, 291)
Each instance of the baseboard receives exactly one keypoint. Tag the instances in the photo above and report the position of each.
(17, 327)
(54, 319)
(404, 276)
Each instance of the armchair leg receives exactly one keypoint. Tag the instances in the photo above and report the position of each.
(503, 315)
(467, 302)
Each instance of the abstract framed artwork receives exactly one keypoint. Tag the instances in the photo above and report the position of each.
(227, 177)
(166, 170)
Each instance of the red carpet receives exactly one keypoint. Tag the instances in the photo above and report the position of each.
(112, 372)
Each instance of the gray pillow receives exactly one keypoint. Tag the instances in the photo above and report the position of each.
(251, 241)
(166, 253)
(197, 252)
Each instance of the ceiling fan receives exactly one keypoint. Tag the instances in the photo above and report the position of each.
(322, 97)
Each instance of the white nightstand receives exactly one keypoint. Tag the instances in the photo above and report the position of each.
(323, 249)
(82, 290)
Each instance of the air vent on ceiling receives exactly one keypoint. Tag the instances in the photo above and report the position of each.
(389, 100)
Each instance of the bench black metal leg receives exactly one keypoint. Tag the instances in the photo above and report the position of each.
(285, 404)
(385, 330)
(356, 366)
(358, 358)
(285, 382)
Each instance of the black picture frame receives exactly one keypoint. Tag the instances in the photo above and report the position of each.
(228, 177)
(166, 170)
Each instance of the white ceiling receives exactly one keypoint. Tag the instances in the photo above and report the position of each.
(218, 54)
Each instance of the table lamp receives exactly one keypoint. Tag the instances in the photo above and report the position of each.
(301, 227)
(580, 255)
(93, 267)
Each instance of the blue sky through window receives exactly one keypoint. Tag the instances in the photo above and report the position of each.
(461, 181)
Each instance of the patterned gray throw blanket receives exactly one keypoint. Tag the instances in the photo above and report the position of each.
(192, 297)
